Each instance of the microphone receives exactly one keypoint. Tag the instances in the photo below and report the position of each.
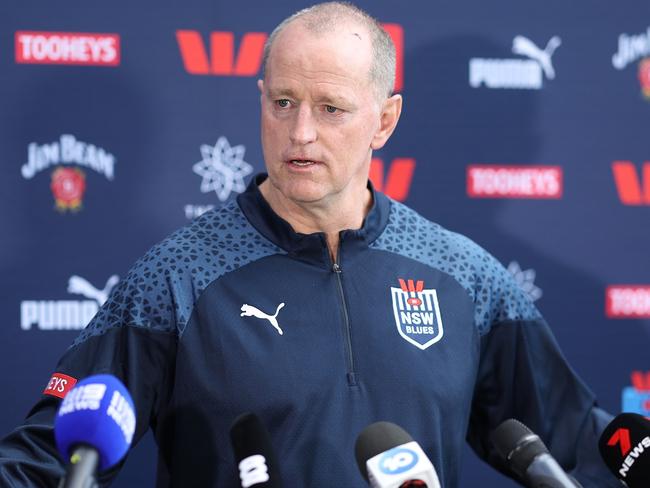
(254, 453)
(527, 456)
(94, 428)
(624, 446)
(388, 457)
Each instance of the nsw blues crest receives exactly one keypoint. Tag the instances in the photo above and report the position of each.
(417, 313)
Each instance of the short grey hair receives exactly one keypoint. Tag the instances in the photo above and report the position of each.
(324, 17)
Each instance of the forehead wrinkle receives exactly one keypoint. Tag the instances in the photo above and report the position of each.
(294, 73)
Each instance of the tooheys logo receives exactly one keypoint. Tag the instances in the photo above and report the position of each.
(59, 385)
(632, 189)
(498, 181)
(630, 455)
(67, 48)
(417, 313)
(219, 59)
(627, 301)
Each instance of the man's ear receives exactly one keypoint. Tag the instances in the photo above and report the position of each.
(260, 85)
(388, 118)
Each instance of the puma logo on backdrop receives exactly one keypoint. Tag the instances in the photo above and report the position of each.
(250, 311)
(526, 47)
(516, 73)
(80, 286)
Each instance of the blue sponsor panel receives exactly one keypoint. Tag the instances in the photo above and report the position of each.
(635, 401)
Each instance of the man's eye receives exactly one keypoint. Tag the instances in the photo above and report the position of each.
(331, 109)
(282, 103)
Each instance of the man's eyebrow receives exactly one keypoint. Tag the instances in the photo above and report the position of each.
(281, 92)
(335, 100)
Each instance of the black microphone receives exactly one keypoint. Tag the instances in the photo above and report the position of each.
(625, 446)
(388, 457)
(527, 456)
(254, 453)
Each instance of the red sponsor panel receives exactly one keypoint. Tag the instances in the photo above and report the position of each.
(627, 301)
(74, 48)
(398, 181)
(641, 380)
(504, 181)
(59, 385)
(221, 60)
(632, 189)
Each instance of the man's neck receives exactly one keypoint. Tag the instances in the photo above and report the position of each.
(329, 217)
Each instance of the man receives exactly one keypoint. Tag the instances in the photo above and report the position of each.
(321, 305)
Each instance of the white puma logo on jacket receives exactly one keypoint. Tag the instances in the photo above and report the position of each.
(250, 311)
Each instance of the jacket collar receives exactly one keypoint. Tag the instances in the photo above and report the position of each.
(311, 247)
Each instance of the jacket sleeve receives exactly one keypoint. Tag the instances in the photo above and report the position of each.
(132, 337)
(523, 375)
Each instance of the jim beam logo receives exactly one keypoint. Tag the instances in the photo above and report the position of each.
(633, 48)
(417, 313)
(66, 156)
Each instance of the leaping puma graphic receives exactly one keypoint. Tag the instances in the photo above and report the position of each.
(250, 311)
(526, 47)
(80, 286)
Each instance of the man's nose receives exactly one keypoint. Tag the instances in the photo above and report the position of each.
(304, 126)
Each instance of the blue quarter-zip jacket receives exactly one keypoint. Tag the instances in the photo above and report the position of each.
(236, 313)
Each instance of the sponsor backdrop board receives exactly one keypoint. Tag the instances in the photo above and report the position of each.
(525, 126)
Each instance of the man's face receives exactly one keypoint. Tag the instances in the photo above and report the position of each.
(320, 115)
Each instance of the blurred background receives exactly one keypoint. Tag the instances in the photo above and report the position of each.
(525, 126)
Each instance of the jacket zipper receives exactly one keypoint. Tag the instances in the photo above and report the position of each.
(351, 375)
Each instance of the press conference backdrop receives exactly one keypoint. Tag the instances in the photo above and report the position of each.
(525, 127)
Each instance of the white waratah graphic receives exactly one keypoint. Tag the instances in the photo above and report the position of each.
(525, 47)
(80, 286)
(222, 168)
(250, 311)
(526, 280)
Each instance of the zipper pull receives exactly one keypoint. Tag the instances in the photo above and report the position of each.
(336, 268)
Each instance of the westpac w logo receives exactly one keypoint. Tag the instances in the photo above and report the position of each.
(417, 313)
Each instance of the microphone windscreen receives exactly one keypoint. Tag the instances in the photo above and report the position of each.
(98, 412)
(376, 439)
(624, 446)
(517, 445)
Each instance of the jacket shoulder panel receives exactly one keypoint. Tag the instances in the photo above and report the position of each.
(495, 294)
(160, 290)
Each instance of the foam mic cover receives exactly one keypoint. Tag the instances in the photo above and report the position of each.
(527, 456)
(625, 448)
(388, 457)
(254, 453)
(98, 413)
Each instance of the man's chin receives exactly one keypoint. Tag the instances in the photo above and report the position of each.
(301, 192)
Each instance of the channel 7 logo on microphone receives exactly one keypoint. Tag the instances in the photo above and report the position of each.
(636, 398)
